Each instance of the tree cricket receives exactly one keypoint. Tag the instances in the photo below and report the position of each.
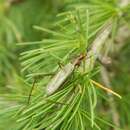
(57, 81)
(65, 72)
(62, 75)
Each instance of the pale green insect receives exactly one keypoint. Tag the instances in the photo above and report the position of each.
(66, 71)
(62, 75)
(59, 78)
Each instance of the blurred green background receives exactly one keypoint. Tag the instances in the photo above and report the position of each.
(17, 18)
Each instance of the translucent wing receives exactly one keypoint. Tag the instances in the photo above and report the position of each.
(59, 78)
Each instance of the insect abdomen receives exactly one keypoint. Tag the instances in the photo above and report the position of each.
(59, 78)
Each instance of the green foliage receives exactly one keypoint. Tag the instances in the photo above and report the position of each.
(49, 33)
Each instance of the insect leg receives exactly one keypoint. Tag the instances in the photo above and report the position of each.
(30, 93)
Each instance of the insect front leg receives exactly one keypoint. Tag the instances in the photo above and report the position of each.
(35, 78)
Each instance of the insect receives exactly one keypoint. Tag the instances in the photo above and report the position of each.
(62, 75)
(65, 72)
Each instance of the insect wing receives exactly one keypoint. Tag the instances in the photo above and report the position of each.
(59, 78)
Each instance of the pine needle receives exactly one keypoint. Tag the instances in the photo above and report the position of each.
(105, 88)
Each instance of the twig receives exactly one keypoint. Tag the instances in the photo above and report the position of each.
(97, 45)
